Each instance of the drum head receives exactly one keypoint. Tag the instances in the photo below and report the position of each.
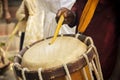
(63, 50)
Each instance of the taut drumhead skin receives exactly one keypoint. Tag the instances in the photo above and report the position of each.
(43, 55)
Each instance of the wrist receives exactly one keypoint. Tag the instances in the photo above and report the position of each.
(73, 20)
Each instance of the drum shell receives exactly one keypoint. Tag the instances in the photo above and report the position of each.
(75, 69)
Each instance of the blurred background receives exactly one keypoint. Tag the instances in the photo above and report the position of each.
(10, 47)
(7, 28)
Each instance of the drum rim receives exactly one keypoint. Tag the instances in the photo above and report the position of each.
(55, 72)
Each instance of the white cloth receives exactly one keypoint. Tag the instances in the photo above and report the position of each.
(54, 6)
(41, 22)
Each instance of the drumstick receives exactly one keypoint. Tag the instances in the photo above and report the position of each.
(87, 15)
(57, 29)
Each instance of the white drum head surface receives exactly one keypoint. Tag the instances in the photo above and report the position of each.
(63, 50)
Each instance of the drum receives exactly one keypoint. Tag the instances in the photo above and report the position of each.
(70, 57)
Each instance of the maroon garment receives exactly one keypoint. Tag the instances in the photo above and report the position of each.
(102, 30)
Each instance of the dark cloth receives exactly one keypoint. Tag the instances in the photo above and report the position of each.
(116, 71)
(102, 29)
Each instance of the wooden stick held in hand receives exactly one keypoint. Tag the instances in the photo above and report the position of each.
(57, 29)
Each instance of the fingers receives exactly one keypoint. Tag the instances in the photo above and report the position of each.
(66, 13)
(69, 16)
(59, 13)
(63, 11)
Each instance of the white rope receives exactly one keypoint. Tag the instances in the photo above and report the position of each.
(16, 64)
(95, 70)
(90, 48)
(84, 74)
(88, 38)
(86, 58)
(23, 73)
(77, 35)
(18, 55)
(98, 62)
(97, 56)
(68, 77)
(40, 74)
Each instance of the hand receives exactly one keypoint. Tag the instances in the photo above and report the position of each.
(69, 16)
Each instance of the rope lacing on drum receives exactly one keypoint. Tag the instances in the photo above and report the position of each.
(95, 69)
(97, 62)
(68, 77)
(84, 74)
(96, 57)
(16, 64)
(40, 74)
(23, 73)
(87, 60)
(77, 35)
(18, 55)
(88, 38)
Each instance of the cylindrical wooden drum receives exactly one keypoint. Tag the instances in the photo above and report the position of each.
(70, 57)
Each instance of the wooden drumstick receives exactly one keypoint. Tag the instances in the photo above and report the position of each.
(57, 29)
(87, 15)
